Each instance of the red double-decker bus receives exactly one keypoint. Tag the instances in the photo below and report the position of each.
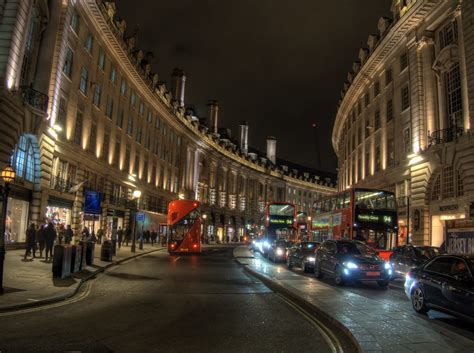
(366, 215)
(184, 227)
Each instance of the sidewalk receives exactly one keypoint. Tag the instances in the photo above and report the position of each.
(29, 283)
(381, 322)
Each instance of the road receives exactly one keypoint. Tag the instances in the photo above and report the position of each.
(161, 303)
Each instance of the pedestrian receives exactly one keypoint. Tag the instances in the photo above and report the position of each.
(147, 236)
(62, 234)
(69, 234)
(153, 237)
(100, 235)
(120, 237)
(49, 238)
(92, 238)
(128, 235)
(40, 239)
(85, 234)
(30, 241)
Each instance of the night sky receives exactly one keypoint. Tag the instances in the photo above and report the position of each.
(278, 64)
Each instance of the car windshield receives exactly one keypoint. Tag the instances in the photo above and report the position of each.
(427, 252)
(352, 249)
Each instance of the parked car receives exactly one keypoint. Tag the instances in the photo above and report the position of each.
(407, 257)
(278, 250)
(444, 283)
(348, 260)
(302, 255)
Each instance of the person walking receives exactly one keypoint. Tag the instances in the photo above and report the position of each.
(85, 234)
(49, 238)
(120, 237)
(40, 239)
(153, 237)
(62, 234)
(69, 234)
(128, 235)
(30, 241)
(100, 235)
(147, 236)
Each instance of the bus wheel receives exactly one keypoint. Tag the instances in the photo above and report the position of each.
(288, 263)
(317, 272)
(338, 277)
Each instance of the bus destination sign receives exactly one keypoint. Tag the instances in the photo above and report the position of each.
(281, 221)
(375, 218)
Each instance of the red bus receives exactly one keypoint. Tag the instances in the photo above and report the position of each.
(280, 223)
(366, 215)
(184, 227)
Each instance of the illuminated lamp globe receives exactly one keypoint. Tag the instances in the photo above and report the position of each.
(8, 174)
(137, 194)
(204, 216)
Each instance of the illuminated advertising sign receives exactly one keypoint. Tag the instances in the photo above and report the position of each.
(327, 221)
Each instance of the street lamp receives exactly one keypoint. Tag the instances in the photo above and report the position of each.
(136, 195)
(205, 235)
(8, 175)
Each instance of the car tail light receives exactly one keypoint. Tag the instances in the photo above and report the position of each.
(195, 245)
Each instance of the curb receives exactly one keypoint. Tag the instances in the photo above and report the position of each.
(273, 285)
(43, 302)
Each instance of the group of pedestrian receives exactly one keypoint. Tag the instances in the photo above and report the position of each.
(43, 237)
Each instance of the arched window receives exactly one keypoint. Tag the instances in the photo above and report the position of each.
(446, 185)
(436, 191)
(23, 159)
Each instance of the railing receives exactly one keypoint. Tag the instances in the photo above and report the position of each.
(444, 135)
(34, 98)
(61, 184)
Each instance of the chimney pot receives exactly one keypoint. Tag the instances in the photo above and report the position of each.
(213, 108)
(244, 137)
(271, 149)
(178, 82)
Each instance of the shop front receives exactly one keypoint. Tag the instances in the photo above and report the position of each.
(92, 213)
(59, 211)
(114, 221)
(454, 213)
(18, 208)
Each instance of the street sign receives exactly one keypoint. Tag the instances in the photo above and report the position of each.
(140, 217)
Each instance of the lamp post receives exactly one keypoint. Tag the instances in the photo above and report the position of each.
(8, 175)
(136, 197)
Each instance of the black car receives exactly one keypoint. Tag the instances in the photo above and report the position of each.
(407, 257)
(278, 250)
(444, 283)
(348, 260)
(302, 255)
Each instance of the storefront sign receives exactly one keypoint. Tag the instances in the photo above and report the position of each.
(92, 202)
(140, 217)
(449, 208)
(460, 241)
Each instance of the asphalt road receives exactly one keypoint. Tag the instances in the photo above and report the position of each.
(161, 303)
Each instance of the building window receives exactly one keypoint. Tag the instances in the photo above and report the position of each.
(459, 185)
(93, 138)
(448, 182)
(133, 99)
(436, 191)
(377, 120)
(407, 140)
(88, 43)
(454, 97)
(84, 80)
(389, 110)
(359, 169)
(110, 107)
(377, 158)
(142, 108)
(391, 152)
(78, 128)
(117, 153)
(113, 75)
(448, 35)
(388, 76)
(149, 117)
(67, 68)
(120, 118)
(130, 126)
(75, 22)
(23, 159)
(138, 137)
(123, 87)
(405, 98)
(97, 95)
(403, 61)
(376, 88)
(62, 111)
(101, 62)
(105, 146)
(367, 163)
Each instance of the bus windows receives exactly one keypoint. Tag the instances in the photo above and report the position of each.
(340, 201)
(347, 200)
(374, 200)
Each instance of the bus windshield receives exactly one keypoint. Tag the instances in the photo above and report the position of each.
(374, 200)
(281, 210)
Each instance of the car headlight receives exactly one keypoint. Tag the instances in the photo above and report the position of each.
(279, 251)
(387, 266)
(266, 244)
(310, 259)
(350, 265)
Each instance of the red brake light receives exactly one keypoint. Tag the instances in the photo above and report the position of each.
(195, 245)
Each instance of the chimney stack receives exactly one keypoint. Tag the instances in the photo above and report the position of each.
(213, 107)
(178, 81)
(271, 149)
(244, 137)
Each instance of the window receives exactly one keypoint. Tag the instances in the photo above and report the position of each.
(459, 185)
(83, 81)
(133, 99)
(442, 265)
(23, 159)
(448, 182)
(448, 35)
(405, 98)
(138, 137)
(75, 22)
(78, 128)
(117, 153)
(97, 95)
(453, 97)
(67, 68)
(388, 76)
(377, 158)
(142, 108)
(101, 62)
(377, 120)
(436, 190)
(367, 163)
(105, 146)
(62, 111)
(110, 107)
(149, 117)
(407, 140)
(120, 118)
(93, 138)
(403, 61)
(113, 75)
(88, 43)
(376, 88)
(389, 111)
(130, 126)
(123, 87)
(391, 152)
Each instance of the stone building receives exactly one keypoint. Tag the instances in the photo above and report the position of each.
(404, 117)
(84, 115)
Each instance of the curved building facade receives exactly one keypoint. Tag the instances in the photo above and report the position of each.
(86, 119)
(404, 118)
